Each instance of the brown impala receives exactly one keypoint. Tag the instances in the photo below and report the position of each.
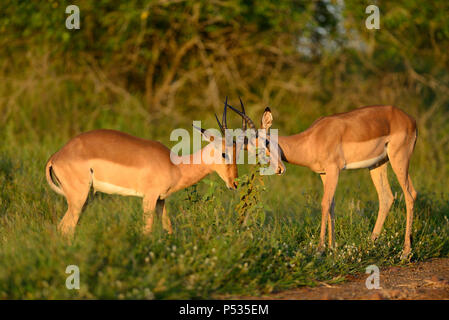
(117, 163)
(366, 137)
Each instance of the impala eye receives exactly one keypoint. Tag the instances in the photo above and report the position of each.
(267, 143)
(223, 155)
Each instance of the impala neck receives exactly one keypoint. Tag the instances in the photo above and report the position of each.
(295, 149)
(190, 173)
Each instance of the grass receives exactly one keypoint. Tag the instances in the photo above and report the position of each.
(210, 254)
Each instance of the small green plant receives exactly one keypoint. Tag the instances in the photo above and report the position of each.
(250, 205)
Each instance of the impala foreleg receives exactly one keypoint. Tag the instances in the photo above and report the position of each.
(149, 206)
(166, 223)
(330, 180)
(330, 217)
(380, 180)
(331, 225)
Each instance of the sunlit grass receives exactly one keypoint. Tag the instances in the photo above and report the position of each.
(209, 254)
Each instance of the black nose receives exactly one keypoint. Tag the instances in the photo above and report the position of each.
(235, 184)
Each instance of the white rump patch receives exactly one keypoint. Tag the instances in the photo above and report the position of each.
(109, 188)
(366, 163)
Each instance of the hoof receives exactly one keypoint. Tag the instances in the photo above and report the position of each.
(67, 237)
(320, 252)
(406, 255)
(374, 237)
(65, 231)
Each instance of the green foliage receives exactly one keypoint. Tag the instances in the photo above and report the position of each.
(250, 207)
(147, 67)
(210, 254)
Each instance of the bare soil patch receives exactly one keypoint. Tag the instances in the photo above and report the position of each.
(422, 280)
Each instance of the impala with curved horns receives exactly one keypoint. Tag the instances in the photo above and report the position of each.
(117, 163)
(252, 139)
(367, 137)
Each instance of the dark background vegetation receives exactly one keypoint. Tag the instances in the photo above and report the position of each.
(148, 67)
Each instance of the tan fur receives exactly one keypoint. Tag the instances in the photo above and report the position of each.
(362, 138)
(118, 163)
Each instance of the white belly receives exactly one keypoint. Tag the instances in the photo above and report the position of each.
(113, 189)
(366, 163)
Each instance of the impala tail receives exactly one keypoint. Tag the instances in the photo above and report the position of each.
(52, 179)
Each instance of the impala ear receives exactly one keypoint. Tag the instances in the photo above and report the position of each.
(267, 119)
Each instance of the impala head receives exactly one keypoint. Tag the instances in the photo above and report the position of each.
(221, 153)
(261, 140)
(221, 156)
(270, 146)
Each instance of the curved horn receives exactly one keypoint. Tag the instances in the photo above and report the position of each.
(219, 124)
(244, 116)
(224, 121)
(224, 124)
(243, 111)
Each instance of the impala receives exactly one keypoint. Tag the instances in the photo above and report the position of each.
(117, 163)
(366, 137)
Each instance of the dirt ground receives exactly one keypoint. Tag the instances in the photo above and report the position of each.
(422, 280)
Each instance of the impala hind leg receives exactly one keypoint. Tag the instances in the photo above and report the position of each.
(330, 217)
(76, 191)
(380, 180)
(412, 189)
(327, 213)
(400, 158)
